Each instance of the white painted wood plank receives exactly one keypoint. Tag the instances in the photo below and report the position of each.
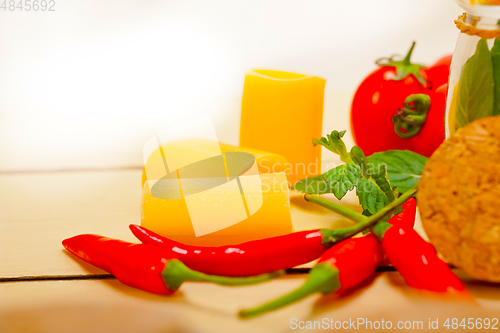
(109, 306)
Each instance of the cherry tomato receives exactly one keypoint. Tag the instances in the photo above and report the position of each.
(380, 101)
(439, 73)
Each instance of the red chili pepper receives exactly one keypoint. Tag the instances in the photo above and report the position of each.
(144, 266)
(270, 254)
(246, 259)
(407, 216)
(342, 267)
(415, 259)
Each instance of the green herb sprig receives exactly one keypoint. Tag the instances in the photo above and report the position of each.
(379, 179)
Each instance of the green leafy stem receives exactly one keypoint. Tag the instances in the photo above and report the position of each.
(379, 179)
(364, 221)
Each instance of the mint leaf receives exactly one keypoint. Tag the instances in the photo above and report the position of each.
(475, 92)
(314, 185)
(495, 58)
(343, 178)
(334, 143)
(371, 198)
(375, 192)
(380, 177)
(404, 167)
(358, 157)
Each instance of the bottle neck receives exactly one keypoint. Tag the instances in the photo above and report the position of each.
(485, 12)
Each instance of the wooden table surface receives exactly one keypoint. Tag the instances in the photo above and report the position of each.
(44, 289)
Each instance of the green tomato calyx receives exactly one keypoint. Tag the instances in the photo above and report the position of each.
(405, 68)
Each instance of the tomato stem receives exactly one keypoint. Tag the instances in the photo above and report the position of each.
(409, 120)
(406, 60)
(405, 68)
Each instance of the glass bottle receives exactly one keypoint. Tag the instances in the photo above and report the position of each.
(474, 84)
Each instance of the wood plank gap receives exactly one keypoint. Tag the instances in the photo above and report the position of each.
(291, 271)
(306, 270)
(56, 278)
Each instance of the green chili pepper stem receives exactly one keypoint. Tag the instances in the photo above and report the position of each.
(175, 273)
(323, 278)
(345, 212)
(336, 235)
(239, 281)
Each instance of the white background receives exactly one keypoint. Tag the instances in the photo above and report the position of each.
(87, 85)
